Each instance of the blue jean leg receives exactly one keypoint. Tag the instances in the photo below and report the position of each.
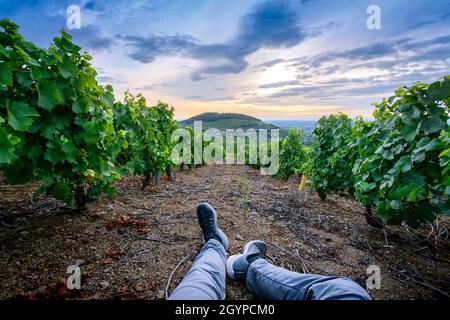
(269, 282)
(206, 278)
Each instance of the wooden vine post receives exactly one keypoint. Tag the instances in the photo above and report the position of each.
(302, 185)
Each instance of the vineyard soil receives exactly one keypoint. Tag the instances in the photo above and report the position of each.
(128, 246)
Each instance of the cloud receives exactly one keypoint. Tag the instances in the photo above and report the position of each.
(108, 79)
(236, 66)
(270, 63)
(93, 5)
(146, 87)
(267, 25)
(146, 48)
(278, 84)
(417, 45)
(372, 51)
(429, 22)
(92, 37)
(203, 98)
(270, 25)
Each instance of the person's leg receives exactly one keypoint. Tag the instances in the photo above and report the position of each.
(206, 278)
(269, 282)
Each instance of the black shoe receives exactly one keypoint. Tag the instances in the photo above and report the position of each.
(207, 218)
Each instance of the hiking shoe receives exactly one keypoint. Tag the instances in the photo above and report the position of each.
(237, 265)
(207, 218)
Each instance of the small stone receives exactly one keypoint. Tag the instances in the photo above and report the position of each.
(70, 241)
(239, 237)
(161, 294)
(109, 207)
(89, 232)
(42, 289)
(104, 284)
(24, 234)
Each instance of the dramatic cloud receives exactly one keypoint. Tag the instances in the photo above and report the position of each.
(268, 25)
(108, 79)
(146, 49)
(92, 37)
(393, 63)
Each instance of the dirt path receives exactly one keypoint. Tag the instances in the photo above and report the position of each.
(130, 245)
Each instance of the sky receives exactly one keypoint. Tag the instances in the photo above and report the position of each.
(281, 59)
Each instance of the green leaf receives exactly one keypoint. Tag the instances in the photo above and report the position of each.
(5, 75)
(81, 105)
(49, 96)
(395, 204)
(61, 191)
(412, 196)
(6, 147)
(433, 125)
(69, 149)
(37, 74)
(20, 115)
(419, 157)
(29, 60)
(443, 153)
(410, 132)
(54, 154)
(439, 90)
(388, 155)
(107, 98)
(68, 68)
(404, 163)
(24, 79)
(4, 52)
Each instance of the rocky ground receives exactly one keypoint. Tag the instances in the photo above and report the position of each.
(128, 246)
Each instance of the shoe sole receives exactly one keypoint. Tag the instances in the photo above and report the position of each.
(233, 258)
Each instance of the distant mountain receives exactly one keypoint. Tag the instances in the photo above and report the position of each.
(223, 121)
(305, 125)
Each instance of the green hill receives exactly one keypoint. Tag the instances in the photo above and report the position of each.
(223, 121)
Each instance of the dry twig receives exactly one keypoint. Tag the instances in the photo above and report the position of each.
(166, 290)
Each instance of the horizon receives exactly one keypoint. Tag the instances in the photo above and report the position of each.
(274, 60)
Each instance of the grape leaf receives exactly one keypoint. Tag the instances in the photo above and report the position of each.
(49, 96)
(20, 115)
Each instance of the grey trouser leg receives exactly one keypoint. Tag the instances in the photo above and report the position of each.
(206, 278)
(269, 282)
